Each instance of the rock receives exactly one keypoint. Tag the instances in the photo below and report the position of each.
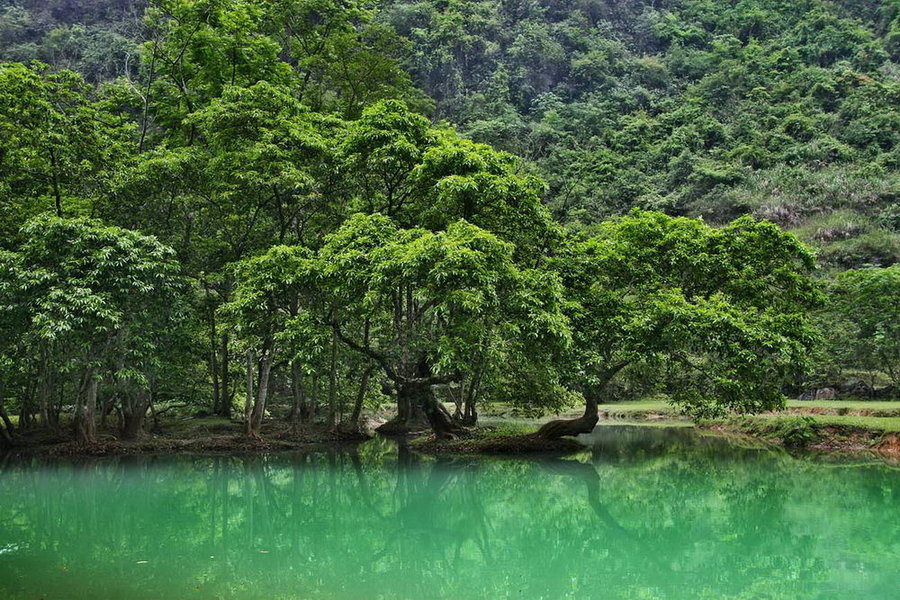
(857, 387)
(826, 393)
(808, 395)
(888, 391)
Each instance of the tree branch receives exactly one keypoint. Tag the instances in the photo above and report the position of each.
(364, 349)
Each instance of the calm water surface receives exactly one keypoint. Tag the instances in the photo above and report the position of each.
(647, 513)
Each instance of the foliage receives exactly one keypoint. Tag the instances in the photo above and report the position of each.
(725, 308)
(862, 321)
(441, 195)
(60, 148)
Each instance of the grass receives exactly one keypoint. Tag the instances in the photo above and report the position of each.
(886, 405)
(883, 424)
(645, 423)
(652, 405)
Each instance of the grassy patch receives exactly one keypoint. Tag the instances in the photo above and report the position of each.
(877, 424)
(498, 439)
(645, 423)
(831, 432)
(651, 405)
(879, 408)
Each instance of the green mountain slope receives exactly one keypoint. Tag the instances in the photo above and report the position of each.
(785, 110)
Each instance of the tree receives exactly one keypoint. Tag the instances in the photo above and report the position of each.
(430, 177)
(429, 307)
(345, 60)
(725, 309)
(864, 320)
(13, 324)
(197, 48)
(273, 295)
(258, 174)
(97, 299)
(59, 147)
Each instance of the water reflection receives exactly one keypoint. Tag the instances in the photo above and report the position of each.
(647, 513)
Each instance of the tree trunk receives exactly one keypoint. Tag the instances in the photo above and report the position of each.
(6, 429)
(214, 364)
(134, 409)
(298, 402)
(332, 383)
(55, 406)
(85, 425)
(262, 390)
(417, 408)
(360, 396)
(470, 414)
(313, 406)
(5, 437)
(224, 395)
(26, 410)
(438, 416)
(586, 422)
(410, 416)
(563, 427)
(107, 405)
(248, 401)
(45, 386)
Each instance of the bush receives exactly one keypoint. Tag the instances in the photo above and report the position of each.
(799, 432)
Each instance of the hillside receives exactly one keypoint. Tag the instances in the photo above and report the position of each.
(783, 110)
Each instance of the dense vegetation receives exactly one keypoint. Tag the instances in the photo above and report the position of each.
(245, 205)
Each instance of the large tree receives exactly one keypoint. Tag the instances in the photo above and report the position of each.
(726, 310)
(862, 321)
(429, 308)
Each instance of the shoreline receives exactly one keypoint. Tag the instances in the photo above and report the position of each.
(498, 435)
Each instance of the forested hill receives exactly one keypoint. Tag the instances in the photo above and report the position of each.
(783, 109)
(786, 110)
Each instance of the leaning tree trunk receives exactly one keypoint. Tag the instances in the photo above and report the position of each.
(360, 396)
(563, 427)
(586, 422)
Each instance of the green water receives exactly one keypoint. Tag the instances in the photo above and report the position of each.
(648, 513)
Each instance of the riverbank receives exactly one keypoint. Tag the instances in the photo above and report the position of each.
(819, 432)
(845, 425)
(820, 425)
(833, 425)
(197, 435)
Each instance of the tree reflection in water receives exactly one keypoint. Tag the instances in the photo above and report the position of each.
(647, 513)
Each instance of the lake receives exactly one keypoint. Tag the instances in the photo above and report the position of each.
(646, 513)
